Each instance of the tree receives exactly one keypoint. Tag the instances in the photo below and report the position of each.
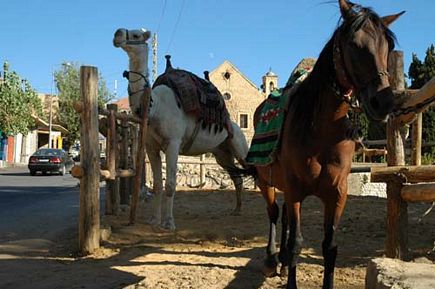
(68, 85)
(19, 103)
(420, 73)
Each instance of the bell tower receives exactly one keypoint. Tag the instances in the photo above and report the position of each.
(270, 82)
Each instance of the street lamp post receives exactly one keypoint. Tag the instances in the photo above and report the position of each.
(50, 118)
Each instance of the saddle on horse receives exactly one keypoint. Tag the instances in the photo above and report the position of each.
(197, 96)
(270, 117)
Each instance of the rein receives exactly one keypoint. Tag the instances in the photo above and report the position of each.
(126, 74)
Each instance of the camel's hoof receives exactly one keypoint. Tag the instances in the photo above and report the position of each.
(167, 226)
(236, 212)
(153, 222)
(284, 272)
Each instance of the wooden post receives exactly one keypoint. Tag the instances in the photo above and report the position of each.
(111, 148)
(89, 214)
(124, 154)
(140, 158)
(396, 245)
(417, 132)
(202, 169)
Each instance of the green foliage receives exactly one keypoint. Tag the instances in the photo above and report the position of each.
(420, 73)
(18, 102)
(427, 159)
(68, 86)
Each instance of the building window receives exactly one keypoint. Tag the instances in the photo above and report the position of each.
(272, 86)
(243, 120)
(226, 96)
(227, 75)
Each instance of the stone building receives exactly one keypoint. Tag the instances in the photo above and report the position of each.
(241, 95)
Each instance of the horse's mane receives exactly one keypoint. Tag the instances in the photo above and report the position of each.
(309, 99)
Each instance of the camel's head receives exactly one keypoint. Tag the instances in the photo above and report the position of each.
(134, 42)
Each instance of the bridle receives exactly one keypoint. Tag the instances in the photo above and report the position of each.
(132, 42)
(127, 74)
(343, 85)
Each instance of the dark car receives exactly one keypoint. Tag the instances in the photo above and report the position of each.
(50, 160)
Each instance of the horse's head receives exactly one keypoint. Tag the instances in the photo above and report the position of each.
(134, 43)
(361, 48)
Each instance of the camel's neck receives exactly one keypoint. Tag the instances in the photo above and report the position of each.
(137, 82)
(138, 64)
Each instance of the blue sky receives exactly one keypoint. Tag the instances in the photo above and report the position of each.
(38, 35)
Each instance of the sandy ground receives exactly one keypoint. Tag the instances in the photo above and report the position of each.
(211, 248)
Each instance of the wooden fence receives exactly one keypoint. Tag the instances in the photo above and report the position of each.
(404, 183)
(122, 161)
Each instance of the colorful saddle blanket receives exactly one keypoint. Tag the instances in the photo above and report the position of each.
(267, 130)
(198, 97)
(266, 141)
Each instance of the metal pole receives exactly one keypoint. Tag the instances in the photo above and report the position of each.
(50, 120)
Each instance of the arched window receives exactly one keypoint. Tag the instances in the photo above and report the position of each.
(271, 86)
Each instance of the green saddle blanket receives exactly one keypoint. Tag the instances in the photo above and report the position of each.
(267, 130)
(266, 140)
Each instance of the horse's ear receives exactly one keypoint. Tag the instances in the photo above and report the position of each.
(387, 20)
(345, 7)
(146, 34)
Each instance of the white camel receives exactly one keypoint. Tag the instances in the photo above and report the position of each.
(173, 131)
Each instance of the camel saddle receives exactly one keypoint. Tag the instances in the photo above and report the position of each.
(198, 97)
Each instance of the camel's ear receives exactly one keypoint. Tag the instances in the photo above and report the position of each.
(146, 33)
(345, 7)
(387, 20)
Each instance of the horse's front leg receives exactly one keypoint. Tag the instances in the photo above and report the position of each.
(294, 245)
(172, 151)
(333, 210)
(156, 203)
(283, 254)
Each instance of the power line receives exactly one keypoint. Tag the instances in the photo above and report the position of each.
(175, 26)
(161, 16)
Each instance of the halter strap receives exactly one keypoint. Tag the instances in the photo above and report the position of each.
(342, 75)
(128, 41)
(126, 74)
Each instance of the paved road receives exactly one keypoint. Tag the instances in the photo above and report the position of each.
(36, 207)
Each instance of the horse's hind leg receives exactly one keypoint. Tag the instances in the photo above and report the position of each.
(271, 262)
(225, 159)
(294, 245)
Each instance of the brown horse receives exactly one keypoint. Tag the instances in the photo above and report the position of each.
(316, 150)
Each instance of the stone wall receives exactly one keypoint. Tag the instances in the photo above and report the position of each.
(188, 176)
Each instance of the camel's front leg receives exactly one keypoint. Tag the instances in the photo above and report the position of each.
(172, 151)
(156, 167)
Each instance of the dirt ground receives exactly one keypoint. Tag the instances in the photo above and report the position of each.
(213, 249)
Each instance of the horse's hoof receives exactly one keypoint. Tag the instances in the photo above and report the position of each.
(283, 273)
(269, 271)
